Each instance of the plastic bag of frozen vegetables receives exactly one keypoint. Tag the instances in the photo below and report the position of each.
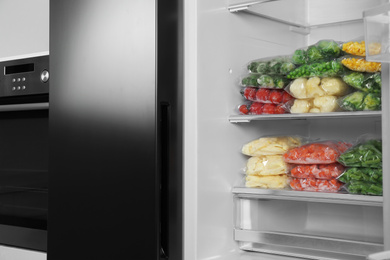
(360, 64)
(367, 153)
(358, 101)
(364, 188)
(373, 175)
(323, 50)
(264, 81)
(280, 65)
(319, 69)
(366, 82)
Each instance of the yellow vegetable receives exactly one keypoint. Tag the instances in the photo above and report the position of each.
(361, 65)
(271, 145)
(298, 88)
(326, 104)
(335, 86)
(266, 165)
(301, 106)
(355, 48)
(313, 88)
(268, 182)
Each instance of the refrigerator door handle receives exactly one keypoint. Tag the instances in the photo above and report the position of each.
(165, 122)
(379, 256)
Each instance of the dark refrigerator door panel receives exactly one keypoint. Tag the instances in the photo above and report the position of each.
(103, 199)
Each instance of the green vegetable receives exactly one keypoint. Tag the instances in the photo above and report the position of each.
(299, 57)
(286, 68)
(365, 188)
(362, 174)
(372, 102)
(262, 67)
(367, 82)
(368, 154)
(274, 67)
(313, 54)
(329, 49)
(266, 80)
(321, 69)
(280, 82)
(250, 80)
(353, 102)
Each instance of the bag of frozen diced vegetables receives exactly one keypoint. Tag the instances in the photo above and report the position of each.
(314, 184)
(366, 82)
(359, 101)
(264, 81)
(258, 108)
(355, 47)
(360, 64)
(318, 171)
(323, 152)
(280, 65)
(367, 153)
(266, 167)
(323, 50)
(264, 95)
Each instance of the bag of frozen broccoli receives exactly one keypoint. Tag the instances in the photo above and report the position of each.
(323, 50)
(278, 65)
(366, 82)
(359, 101)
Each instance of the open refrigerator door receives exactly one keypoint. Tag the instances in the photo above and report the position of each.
(280, 222)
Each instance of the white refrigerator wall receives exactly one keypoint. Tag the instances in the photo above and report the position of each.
(221, 44)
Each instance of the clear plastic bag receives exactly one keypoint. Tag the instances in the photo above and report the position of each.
(323, 104)
(367, 153)
(355, 47)
(277, 65)
(373, 175)
(318, 171)
(359, 101)
(264, 81)
(271, 145)
(267, 182)
(356, 63)
(316, 185)
(258, 108)
(364, 188)
(323, 50)
(266, 165)
(263, 95)
(366, 82)
(320, 69)
(303, 88)
(324, 152)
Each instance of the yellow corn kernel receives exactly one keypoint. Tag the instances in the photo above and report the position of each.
(361, 65)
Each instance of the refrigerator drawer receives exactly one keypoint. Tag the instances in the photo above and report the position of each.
(311, 229)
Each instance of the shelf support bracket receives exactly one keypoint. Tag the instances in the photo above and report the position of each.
(245, 6)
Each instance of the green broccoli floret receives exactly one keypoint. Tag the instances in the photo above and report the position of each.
(252, 66)
(250, 80)
(372, 102)
(329, 49)
(299, 57)
(275, 67)
(354, 79)
(354, 101)
(280, 82)
(266, 80)
(286, 68)
(262, 67)
(313, 54)
(378, 79)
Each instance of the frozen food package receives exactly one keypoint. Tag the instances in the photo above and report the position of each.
(318, 171)
(317, 185)
(264, 81)
(373, 175)
(307, 88)
(266, 165)
(277, 65)
(364, 154)
(323, 104)
(258, 108)
(324, 152)
(321, 51)
(366, 82)
(360, 64)
(364, 188)
(268, 182)
(359, 101)
(320, 69)
(356, 47)
(264, 95)
(274, 145)
(300, 106)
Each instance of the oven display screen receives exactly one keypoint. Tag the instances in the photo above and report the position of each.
(22, 68)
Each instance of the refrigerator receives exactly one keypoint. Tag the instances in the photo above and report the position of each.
(145, 139)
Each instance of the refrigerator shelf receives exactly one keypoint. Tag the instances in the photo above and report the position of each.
(290, 12)
(356, 114)
(299, 245)
(334, 198)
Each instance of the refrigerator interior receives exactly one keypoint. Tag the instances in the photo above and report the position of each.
(221, 43)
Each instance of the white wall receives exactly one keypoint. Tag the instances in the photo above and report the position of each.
(24, 27)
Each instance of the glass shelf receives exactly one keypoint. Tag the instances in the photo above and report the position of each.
(335, 198)
(304, 116)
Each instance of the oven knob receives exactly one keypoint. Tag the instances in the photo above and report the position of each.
(45, 76)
